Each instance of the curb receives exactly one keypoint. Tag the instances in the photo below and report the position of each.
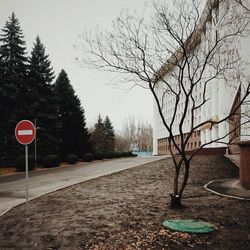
(221, 194)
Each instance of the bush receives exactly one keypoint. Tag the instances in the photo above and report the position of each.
(109, 155)
(20, 163)
(125, 154)
(51, 161)
(99, 155)
(71, 159)
(133, 155)
(88, 157)
(117, 155)
(130, 154)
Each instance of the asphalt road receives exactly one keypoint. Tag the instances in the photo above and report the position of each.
(12, 188)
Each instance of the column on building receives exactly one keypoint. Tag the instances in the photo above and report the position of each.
(155, 129)
(245, 127)
(244, 52)
(223, 109)
(214, 111)
(203, 136)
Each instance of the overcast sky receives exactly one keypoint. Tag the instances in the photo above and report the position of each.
(58, 23)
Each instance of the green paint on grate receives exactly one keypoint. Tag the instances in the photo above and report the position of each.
(189, 226)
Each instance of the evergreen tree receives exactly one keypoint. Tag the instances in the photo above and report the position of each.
(103, 135)
(43, 101)
(75, 136)
(109, 135)
(13, 73)
(98, 135)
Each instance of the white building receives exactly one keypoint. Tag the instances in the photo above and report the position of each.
(215, 95)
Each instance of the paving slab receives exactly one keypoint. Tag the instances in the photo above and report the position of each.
(12, 188)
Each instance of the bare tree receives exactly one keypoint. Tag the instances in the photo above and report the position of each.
(244, 4)
(129, 131)
(144, 136)
(121, 144)
(177, 55)
(138, 134)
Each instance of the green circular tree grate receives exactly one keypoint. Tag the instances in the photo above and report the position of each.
(189, 226)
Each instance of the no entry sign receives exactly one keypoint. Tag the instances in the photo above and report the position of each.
(25, 132)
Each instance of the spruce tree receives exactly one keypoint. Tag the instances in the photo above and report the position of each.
(109, 135)
(98, 135)
(13, 76)
(43, 101)
(75, 136)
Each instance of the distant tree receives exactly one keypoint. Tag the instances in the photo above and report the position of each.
(144, 136)
(138, 134)
(129, 131)
(103, 135)
(109, 135)
(13, 91)
(43, 103)
(121, 144)
(98, 135)
(75, 136)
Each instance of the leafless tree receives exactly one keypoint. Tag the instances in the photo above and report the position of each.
(244, 3)
(144, 136)
(178, 51)
(121, 144)
(129, 131)
(138, 133)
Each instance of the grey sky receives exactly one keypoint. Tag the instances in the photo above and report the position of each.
(58, 23)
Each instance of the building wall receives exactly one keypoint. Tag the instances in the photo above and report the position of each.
(220, 94)
(193, 143)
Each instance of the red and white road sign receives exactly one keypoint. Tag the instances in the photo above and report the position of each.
(25, 132)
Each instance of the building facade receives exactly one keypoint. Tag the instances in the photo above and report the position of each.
(199, 101)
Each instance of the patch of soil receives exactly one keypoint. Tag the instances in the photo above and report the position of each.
(7, 171)
(126, 210)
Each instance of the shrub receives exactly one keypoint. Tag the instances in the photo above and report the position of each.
(125, 154)
(71, 159)
(20, 163)
(109, 155)
(133, 155)
(51, 161)
(117, 154)
(99, 155)
(130, 154)
(88, 157)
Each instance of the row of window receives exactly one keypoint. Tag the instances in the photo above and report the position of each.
(194, 142)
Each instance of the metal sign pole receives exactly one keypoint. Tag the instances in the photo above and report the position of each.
(26, 177)
(35, 143)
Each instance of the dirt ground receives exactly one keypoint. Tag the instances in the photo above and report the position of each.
(126, 210)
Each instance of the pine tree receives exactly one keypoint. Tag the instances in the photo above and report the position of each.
(109, 135)
(43, 101)
(75, 136)
(13, 75)
(98, 135)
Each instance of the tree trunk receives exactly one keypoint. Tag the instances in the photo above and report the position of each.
(185, 179)
(175, 197)
(175, 201)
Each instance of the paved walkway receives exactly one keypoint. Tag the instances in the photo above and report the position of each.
(12, 188)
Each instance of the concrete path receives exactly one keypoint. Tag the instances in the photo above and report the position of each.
(12, 188)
